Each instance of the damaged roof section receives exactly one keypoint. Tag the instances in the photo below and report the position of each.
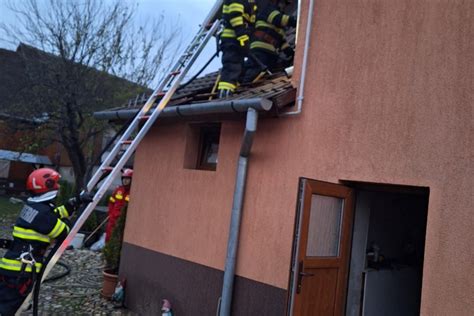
(276, 90)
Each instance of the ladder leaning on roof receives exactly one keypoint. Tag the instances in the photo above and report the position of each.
(140, 125)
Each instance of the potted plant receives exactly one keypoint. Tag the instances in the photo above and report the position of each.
(111, 253)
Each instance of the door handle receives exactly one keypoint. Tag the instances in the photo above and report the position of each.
(301, 274)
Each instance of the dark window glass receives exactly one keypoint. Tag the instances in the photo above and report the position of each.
(209, 147)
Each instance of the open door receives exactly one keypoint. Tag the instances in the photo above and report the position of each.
(323, 252)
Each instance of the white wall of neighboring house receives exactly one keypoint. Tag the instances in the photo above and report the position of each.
(4, 168)
(67, 174)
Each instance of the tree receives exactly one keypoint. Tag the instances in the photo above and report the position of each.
(90, 56)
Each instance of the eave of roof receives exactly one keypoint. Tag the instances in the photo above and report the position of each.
(13, 118)
(24, 157)
(277, 89)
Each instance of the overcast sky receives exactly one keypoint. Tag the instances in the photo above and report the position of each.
(189, 13)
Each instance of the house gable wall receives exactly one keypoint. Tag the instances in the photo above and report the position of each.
(388, 100)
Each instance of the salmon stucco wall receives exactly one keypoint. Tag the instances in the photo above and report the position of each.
(389, 97)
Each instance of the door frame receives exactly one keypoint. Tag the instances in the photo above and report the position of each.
(295, 247)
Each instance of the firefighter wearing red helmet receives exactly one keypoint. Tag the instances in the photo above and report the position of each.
(39, 223)
(119, 198)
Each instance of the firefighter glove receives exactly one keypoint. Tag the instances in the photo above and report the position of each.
(83, 198)
(73, 203)
(86, 197)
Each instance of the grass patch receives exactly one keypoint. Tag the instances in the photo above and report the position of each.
(9, 210)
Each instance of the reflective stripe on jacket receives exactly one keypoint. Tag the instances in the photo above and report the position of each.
(35, 227)
(238, 16)
(14, 265)
(119, 194)
(61, 211)
(58, 229)
(269, 32)
(29, 234)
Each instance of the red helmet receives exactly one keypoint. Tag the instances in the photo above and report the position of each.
(43, 180)
(127, 173)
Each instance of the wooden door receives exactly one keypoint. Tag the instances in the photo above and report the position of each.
(323, 250)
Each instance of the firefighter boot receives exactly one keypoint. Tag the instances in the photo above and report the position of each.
(225, 93)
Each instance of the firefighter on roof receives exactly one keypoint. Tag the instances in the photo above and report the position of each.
(269, 39)
(39, 223)
(239, 17)
(117, 201)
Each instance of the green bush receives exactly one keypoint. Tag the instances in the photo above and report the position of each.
(113, 247)
(91, 223)
(105, 200)
(66, 191)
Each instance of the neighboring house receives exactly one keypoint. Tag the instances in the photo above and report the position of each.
(15, 168)
(362, 204)
(13, 79)
(15, 163)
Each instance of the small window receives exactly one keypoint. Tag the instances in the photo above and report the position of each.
(202, 146)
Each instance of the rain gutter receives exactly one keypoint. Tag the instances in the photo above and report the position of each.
(251, 107)
(197, 109)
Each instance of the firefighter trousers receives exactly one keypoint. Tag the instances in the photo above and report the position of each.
(233, 56)
(13, 291)
(252, 68)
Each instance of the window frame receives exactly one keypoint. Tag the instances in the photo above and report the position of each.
(208, 135)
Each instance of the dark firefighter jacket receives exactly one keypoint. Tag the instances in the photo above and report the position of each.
(239, 17)
(269, 32)
(38, 224)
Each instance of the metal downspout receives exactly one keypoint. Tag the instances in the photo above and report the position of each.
(237, 204)
(304, 66)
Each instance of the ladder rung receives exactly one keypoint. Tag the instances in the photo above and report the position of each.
(126, 142)
(145, 117)
(107, 169)
(174, 73)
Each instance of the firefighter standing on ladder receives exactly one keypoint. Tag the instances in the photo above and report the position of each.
(117, 201)
(239, 17)
(38, 224)
(269, 39)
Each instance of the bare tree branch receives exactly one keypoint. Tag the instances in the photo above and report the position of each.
(92, 55)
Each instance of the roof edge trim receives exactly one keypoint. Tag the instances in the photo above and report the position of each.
(189, 110)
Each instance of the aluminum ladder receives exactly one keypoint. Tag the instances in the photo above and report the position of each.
(141, 124)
